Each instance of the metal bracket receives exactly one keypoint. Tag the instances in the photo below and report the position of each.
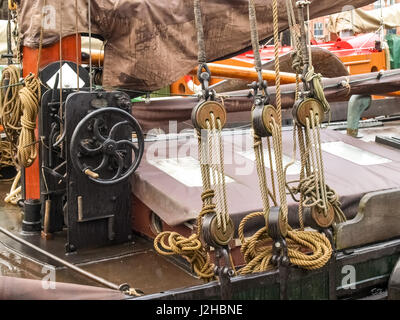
(224, 273)
(279, 250)
(357, 105)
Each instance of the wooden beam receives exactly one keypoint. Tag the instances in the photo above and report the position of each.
(378, 213)
(234, 72)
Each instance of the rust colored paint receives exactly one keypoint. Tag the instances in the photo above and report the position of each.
(143, 224)
(71, 50)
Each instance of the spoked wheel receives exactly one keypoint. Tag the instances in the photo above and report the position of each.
(102, 147)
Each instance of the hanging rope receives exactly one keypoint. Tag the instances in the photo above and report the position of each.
(18, 112)
(211, 158)
(312, 187)
(306, 249)
(215, 165)
(15, 192)
(318, 88)
(29, 95)
(11, 108)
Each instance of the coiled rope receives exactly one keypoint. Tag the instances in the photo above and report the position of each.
(191, 248)
(18, 111)
(30, 96)
(257, 250)
(11, 109)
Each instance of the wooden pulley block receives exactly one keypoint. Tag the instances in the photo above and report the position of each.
(303, 108)
(262, 120)
(214, 235)
(323, 219)
(270, 114)
(202, 113)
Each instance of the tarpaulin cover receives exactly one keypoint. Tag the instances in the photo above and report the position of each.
(361, 21)
(28, 289)
(393, 41)
(176, 201)
(152, 43)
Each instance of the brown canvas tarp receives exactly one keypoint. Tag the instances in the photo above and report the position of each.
(152, 43)
(176, 202)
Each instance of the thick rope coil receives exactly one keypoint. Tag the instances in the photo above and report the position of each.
(29, 95)
(18, 112)
(191, 248)
(11, 109)
(257, 250)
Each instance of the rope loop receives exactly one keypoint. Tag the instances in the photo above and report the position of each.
(211, 158)
(309, 250)
(172, 243)
(306, 249)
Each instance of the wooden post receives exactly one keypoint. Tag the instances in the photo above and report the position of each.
(48, 55)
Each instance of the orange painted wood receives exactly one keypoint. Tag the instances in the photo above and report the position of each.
(71, 47)
(236, 72)
(392, 94)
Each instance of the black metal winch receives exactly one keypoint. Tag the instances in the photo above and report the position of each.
(90, 146)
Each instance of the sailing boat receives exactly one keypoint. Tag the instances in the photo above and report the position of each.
(100, 180)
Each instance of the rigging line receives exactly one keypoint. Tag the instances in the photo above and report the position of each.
(309, 33)
(200, 33)
(12, 85)
(381, 34)
(258, 144)
(60, 51)
(60, 111)
(40, 39)
(277, 66)
(77, 46)
(90, 47)
(255, 37)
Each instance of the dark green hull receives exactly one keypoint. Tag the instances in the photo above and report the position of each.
(354, 273)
